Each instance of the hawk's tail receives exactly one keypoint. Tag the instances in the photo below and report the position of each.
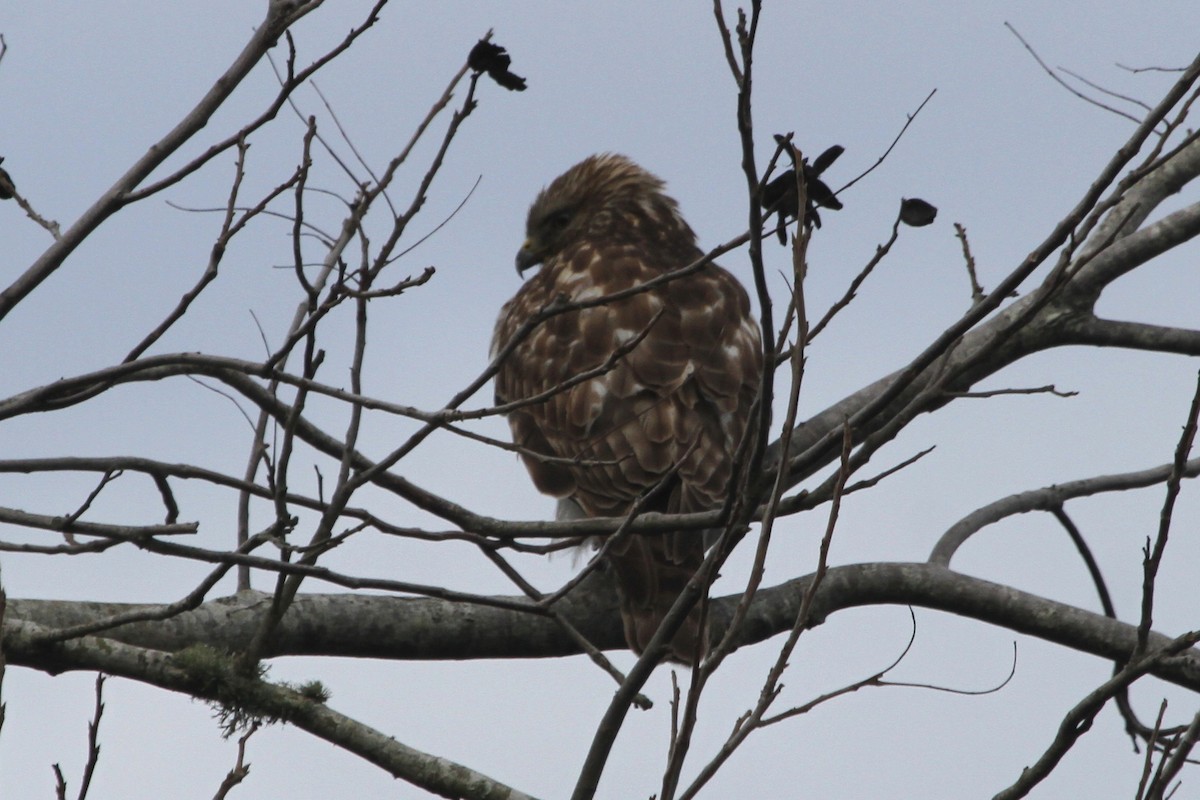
(652, 571)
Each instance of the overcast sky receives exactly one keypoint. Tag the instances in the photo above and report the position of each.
(85, 89)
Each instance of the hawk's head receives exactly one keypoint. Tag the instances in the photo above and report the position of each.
(594, 196)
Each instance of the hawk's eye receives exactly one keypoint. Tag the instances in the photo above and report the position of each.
(559, 220)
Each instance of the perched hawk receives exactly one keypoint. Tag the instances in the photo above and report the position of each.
(679, 399)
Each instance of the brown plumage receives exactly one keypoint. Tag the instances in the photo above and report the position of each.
(680, 397)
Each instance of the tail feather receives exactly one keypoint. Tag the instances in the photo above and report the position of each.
(651, 572)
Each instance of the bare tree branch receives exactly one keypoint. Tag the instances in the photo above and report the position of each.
(428, 628)
(1049, 498)
(1078, 720)
(280, 15)
(210, 676)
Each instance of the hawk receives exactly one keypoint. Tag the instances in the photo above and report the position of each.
(674, 371)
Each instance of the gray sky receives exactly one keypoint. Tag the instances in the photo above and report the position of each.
(86, 88)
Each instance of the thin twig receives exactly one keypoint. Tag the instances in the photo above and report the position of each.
(240, 769)
(69, 521)
(1174, 763)
(1148, 761)
(1078, 720)
(93, 757)
(3, 611)
(910, 118)
(1136, 70)
(1153, 558)
(60, 783)
(771, 686)
(1054, 76)
(127, 533)
(1102, 90)
(593, 652)
(977, 293)
(1048, 389)
(880, 251)
(868, 483)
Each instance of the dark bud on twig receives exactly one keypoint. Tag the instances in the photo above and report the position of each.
(779, 196)
(7, 188)
(495, 60)
(916, 212)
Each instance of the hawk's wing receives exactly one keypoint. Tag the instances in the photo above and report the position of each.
(678, 399)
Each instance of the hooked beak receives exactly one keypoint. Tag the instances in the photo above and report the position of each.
(527, 257)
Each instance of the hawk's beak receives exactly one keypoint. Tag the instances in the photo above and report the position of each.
(527, 256)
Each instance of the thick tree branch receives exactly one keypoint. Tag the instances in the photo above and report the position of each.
(1136, 205)
(209, 676)
(1135, 336)
(1134, 250)
(1049, 498)
(431, 629)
